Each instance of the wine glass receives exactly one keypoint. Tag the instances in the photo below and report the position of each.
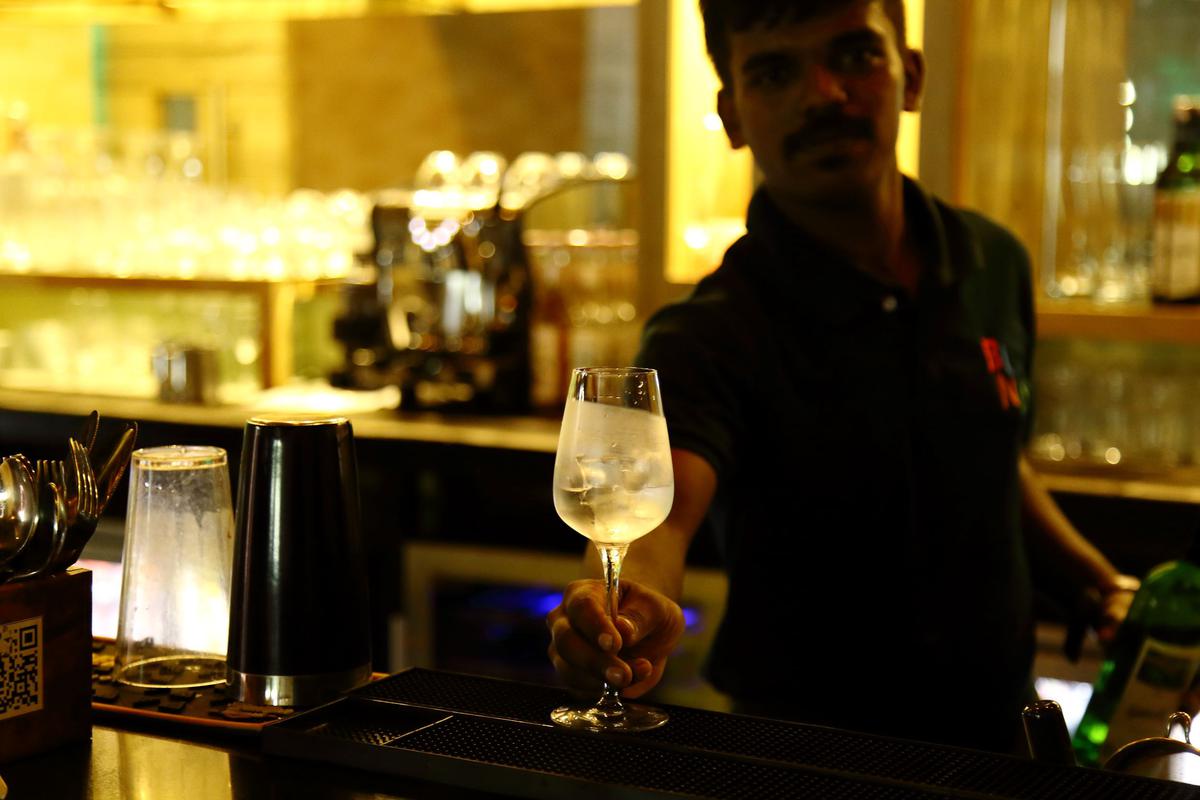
(613, 483)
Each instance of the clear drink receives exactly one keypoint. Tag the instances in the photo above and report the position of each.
(613, 515)
(612, 477)
(613, 483)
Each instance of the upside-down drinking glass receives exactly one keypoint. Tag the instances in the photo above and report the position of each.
(174, 619)
(613, 483)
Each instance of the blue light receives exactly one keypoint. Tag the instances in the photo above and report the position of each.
(538, 601)
(544, 602)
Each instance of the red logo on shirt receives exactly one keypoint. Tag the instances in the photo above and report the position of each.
(1000, 367)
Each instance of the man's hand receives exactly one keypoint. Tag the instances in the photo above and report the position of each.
(586, 648)
(1113, 606)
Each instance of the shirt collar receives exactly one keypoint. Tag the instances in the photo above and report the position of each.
(829, 286)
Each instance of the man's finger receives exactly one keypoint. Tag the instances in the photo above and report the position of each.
(583, 605)
(646, 677)
(583, 657)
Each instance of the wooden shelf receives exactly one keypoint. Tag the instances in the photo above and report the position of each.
(1128, 322)
(116, 12)
(276, 301)
(1170, 485)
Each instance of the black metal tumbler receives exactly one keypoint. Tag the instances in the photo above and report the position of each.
(299, 630)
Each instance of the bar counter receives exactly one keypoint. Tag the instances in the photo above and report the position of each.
(469, 737)
(122, 764)
(525, 433)
(539, 434)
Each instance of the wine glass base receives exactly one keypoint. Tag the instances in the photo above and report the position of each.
(631, 719)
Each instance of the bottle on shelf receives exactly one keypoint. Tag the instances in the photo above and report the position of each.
(1152, 667)
(1176, 271)
(549, 335)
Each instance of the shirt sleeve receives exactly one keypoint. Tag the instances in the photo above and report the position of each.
(1024, 281)
(694, 349)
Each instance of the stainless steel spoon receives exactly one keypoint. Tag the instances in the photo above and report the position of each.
(49, 531)
(18, 508)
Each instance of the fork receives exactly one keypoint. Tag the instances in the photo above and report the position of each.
(54, 481)
(87, 508)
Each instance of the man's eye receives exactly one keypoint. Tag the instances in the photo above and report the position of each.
(771, 75)
(858, 59)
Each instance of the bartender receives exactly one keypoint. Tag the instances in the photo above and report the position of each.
(848, 397)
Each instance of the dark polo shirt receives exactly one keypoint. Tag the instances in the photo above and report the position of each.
(866, 445)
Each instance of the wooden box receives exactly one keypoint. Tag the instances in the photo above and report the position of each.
(45, 663)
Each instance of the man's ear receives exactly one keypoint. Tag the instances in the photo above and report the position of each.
(914, 79)
(727, 110)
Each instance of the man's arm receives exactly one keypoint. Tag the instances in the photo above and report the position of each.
(586, 647)
(1056, 542)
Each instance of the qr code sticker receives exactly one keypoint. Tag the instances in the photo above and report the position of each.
(20, 667)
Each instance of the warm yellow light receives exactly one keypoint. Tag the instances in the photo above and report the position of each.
(707, 183)
(135, 11)
(908, 147)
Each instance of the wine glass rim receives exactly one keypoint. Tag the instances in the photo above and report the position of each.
(615, 370)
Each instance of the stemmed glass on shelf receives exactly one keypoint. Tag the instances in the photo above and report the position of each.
(613, 483)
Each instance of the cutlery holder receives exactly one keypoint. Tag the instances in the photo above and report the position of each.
(45, 663)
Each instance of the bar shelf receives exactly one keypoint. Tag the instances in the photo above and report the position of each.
(1128, 322)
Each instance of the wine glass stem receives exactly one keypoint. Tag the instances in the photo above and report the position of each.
(611, 557)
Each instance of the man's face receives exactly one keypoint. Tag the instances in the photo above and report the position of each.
(818, 101)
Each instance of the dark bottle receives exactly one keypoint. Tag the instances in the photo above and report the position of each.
(1176, 271)
(550, 329)
(1151, 669)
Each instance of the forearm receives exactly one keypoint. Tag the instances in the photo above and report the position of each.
(657, 560)
(1057, 543)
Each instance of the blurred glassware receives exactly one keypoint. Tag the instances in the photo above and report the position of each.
(138, 205)
(1107, 219)
(178, 555)
(1116, 405)
(186, 373)
(585, 313)
(529, 176)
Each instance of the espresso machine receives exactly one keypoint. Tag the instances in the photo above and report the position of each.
(443, 304)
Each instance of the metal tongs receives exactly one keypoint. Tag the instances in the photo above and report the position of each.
(62, 511)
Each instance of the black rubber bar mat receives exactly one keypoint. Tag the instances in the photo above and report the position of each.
(495, 735)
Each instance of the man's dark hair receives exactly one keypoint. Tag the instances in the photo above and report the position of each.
(723, 17)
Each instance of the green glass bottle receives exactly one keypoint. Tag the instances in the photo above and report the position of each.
(1176, 273)
(1153, 665)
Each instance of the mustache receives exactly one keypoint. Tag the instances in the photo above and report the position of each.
(827, 128)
